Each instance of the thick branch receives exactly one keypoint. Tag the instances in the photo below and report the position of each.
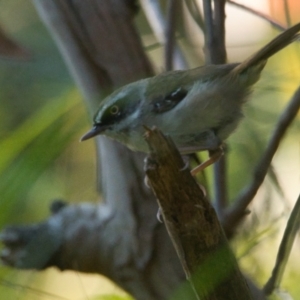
(92, 238)
(192, 224)
(103, 50)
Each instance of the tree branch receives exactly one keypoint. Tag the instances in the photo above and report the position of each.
(192, 224)
(216, 54)
(284, 250)
(103, 51)
(173, 11)
(157, 22)
(237, 211)
(214, 31)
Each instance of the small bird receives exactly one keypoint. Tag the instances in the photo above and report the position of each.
(197, 108)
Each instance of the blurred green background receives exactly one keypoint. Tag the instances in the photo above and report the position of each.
(42, 117)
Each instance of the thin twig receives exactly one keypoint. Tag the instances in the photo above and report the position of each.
(284, 250)
(172, 16)
(209, 29)
(156, 20)
(287, 12)
(219, 31)
(238, 210)
(216, 54)
(259, 14)
(195, 12)
(220, 186)
(219, 56)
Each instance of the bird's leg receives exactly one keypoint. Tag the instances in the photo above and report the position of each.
(214, 155)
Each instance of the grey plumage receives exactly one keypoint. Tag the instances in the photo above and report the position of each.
(198, 108)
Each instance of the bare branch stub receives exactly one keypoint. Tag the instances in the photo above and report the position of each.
(192, 224)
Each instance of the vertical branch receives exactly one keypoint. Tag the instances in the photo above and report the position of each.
(103, 50)
(287, 13)
(209, 30)
(219, 22)
(216, 54)
(220, 185)
(157, 21)
(173, 11)
(195, 13)
(214, 31)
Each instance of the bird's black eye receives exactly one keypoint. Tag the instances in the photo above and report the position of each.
(114, 110)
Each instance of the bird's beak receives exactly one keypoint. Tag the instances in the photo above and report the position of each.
(97, 129)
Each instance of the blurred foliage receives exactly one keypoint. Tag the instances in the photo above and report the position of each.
(112, 297)
(42, 118)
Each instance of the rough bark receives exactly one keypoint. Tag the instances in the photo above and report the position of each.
(193, 226)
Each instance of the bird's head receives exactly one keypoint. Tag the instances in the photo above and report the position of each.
(118, 112)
